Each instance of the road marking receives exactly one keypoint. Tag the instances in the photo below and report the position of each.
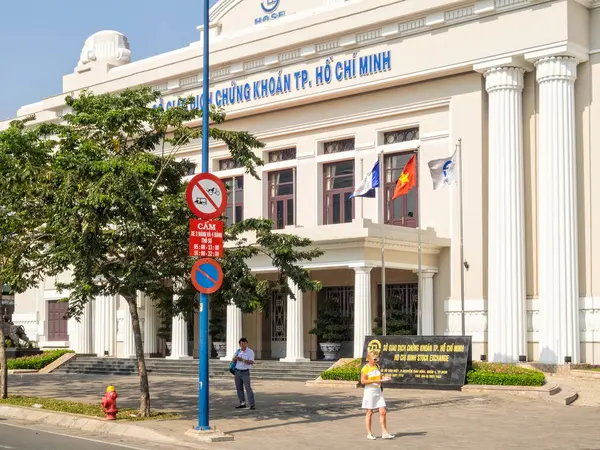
(67, 435)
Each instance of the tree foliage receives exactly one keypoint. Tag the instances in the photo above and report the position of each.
(119, 221)
(25, 156)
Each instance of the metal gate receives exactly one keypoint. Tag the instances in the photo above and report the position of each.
(278, 325)
(403, 297)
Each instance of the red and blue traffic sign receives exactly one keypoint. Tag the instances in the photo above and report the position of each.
(207, 276)
(206, 196)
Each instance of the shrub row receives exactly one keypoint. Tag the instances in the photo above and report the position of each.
(346, 372)
(36, 362)
(482, 373)
(504, 375)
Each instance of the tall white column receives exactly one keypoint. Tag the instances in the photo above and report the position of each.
(234, 330)
(557, 221)
(179, 340)
(427, 312)
(150, 327)
(507, 313)
(295, 326)
(80, 332)
(105, 325)
(363, 323)
(128, 336)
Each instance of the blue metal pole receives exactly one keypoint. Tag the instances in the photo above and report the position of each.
(203, 411)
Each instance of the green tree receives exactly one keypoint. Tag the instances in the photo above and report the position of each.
(120, 222)
(25, 155)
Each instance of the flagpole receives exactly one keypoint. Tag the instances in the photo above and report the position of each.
(420, 257)
(462, 255)
(382, 195)
(362, 204)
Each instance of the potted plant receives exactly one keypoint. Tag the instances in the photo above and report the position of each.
(398, 322)
(216, 329)
(331, 330)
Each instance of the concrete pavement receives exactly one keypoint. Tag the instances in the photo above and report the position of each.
(295, 416)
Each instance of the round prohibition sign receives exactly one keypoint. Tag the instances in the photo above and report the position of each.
(207, 276)
(206, 196)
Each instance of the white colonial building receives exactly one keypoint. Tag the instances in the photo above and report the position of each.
(332, 85)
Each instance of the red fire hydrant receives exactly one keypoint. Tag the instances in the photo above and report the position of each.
(109, 403)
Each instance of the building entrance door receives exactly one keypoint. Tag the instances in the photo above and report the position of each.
(58, 329)
(278, 318)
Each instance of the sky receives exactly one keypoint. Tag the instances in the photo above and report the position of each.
(40, 40)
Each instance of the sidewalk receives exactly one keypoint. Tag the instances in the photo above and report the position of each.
(294, 416)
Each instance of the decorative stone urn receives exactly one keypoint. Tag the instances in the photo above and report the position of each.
(221, 348)
(330, 350)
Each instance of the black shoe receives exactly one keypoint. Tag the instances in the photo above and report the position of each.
(240, 406)
(253, 407)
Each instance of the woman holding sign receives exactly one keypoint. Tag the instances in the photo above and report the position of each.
(371, 379)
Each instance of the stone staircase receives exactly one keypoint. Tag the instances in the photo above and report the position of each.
(263, 370)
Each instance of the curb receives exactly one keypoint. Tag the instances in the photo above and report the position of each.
(527, 391)
(21, 371)
(76, 422)
(587, 374)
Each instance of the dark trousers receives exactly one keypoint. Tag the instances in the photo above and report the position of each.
(242, 379)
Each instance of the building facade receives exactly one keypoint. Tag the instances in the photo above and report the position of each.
(331, 86)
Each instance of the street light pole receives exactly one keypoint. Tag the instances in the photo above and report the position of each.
(203, 412)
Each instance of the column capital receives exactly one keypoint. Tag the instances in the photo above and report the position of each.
(362, 269)
(564, 49)
(556, 68)
(503, 78)
(516, 62)
(425, 273)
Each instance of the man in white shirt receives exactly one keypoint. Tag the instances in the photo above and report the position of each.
(244, 358)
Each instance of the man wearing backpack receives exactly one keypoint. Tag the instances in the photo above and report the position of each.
(243, 359)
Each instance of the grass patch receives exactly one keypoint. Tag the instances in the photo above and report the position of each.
(36, 362)
(86, 409)
(504, 375)
(346, 372)
(588, 367)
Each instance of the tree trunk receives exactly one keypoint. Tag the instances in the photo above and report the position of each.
(3, 363)
(139, 354)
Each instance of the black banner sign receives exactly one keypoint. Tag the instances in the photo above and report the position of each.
(422, 361)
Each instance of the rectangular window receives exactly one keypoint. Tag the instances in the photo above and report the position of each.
(281, 198)
(235, 199)
(403, 210)
(338, 185)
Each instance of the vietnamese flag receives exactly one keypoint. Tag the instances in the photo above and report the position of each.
(408, 178)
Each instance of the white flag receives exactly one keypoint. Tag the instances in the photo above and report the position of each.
(443, 171)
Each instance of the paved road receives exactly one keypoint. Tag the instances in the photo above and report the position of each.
(26, 436)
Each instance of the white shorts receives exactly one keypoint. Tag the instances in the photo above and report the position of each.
(373, 398)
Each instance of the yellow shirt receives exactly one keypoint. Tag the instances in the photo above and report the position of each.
(373, 373)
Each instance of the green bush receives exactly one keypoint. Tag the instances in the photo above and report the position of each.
(36, 362)
(504, 375)
(346, 372)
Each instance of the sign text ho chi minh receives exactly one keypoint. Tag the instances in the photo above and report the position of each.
(328, 73)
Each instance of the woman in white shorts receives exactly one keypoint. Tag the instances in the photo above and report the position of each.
(370, 378)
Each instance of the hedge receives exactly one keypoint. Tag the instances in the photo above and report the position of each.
(504, 374)
(36, 362)
(482, 373)
(346, 372)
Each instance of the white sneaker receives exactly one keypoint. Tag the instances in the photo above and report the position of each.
(388, 436)
(371, 437)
